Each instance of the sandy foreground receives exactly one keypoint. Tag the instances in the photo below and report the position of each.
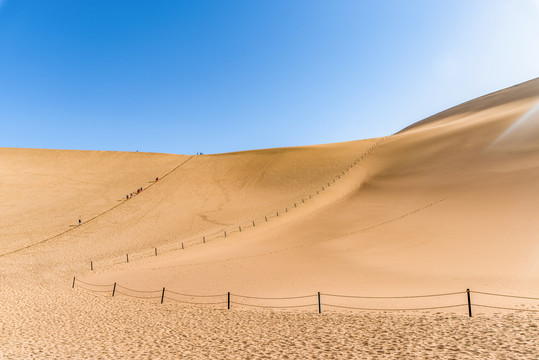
(448, 204)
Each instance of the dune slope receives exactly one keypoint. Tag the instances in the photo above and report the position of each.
(448, 203)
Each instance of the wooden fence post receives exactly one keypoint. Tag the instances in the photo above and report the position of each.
(229, 300)
(163, 295)
(182, 245)
(73, 282)
(265, 217)
(253, 223)
(204, 239)
(319, 304)
(127, 257)
(91, 265)
(155, 251)
(469, 303)
(239, 227)
(113, 289)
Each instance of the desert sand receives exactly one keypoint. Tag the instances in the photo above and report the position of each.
(447, 204)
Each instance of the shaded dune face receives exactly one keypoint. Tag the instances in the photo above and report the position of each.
(442, 205)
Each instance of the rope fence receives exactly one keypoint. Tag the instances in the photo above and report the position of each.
(203, 238)
(216, 234)
(249, 301)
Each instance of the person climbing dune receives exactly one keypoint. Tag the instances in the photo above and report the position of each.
(79, 222)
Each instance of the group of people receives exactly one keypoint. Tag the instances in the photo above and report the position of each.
(130, 196)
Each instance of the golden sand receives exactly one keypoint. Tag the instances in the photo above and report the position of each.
(448, 204)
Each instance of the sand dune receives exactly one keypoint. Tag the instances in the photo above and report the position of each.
(448, 203)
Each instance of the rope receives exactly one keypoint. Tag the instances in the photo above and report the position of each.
(272, 307)
(188, 295)
(393, 297)
(87, 221)
(139, 291)
(394, 309)
(504, 308)
(91, 290)
(273, 298)
(77, 280)
(138, 297)
(502, 295)
(197, 303)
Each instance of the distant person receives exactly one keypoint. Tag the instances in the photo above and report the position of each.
(131, 196)
(156, 179)
(127, 197)
(79, 222)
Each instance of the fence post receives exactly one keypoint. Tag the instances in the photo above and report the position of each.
(127, 257)
(163, 295)
(469, 303)
(204, 239)
(302, 200)
(155, 251)
(113, 289)
(73, 282)
(91, 265)
(319, 304)
(253, 223)
(295, 205)
(225, 233)
(277, 213)
(285, 209)
(182, 245)
(265, 217)
(229, 300)
(239, 227)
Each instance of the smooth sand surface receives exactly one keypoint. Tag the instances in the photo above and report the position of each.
(445, 205)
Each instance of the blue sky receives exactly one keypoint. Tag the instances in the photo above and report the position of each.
(218, 76)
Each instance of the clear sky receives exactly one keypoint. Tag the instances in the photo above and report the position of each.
(218, 76)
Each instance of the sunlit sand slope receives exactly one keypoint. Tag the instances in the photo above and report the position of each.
(445, 205)
(45, 193)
